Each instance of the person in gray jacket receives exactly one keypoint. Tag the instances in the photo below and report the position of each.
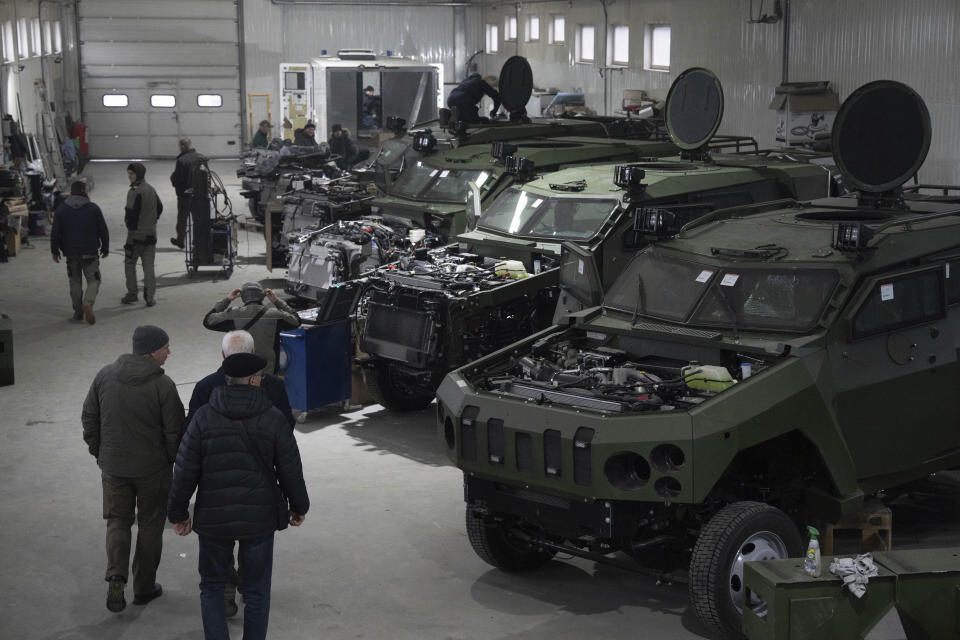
(132, 418)
(263, 323)
(140, 215)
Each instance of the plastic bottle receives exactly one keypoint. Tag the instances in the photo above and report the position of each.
(811, 563)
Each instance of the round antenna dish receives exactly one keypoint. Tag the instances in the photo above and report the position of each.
(516, 83)
(881, 136)
(694, 108)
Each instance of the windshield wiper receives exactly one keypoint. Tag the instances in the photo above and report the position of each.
(638, 309)
(729, 306)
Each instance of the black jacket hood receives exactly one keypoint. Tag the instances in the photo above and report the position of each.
(238, 402)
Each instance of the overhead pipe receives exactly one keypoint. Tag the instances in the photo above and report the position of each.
(785, 75)
(379, 3)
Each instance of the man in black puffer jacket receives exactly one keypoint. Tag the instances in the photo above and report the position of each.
(225, 448)
(80, 232)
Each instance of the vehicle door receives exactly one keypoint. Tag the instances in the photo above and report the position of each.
(895, 372)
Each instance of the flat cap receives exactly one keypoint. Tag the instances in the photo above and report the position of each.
(241, 365)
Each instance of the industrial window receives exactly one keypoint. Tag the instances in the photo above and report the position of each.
(9, 42)
(510, 28)
(47, 37)
(585, 43)
(620, 46)
(209, 100)
(36, 45)
(57, 37)
(115, 100)
(657, 47)
(558, 30)
(532, 33)
(163, 100)
(901, 301)
(23, 46)
(493, 38)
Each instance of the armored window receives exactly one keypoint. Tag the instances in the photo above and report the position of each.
(951, 275)
(163, 101)
(586, 43)
(510, 28)
(899, 301)
(532, 29)
(557, 30)
(493, 38)
(657, 47)
(57, 37)
(115, 100)
(620, 46)
(210, 100)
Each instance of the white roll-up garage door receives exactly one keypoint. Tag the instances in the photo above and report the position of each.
(153, 72)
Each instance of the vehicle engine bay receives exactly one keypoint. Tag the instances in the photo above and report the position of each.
(577, 371)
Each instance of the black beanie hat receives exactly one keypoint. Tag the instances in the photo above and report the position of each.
(241, 365)
(138, 169)
(78, 188)
(336, 127)
(148, 338)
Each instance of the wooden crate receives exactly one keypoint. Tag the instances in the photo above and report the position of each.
(874, 524)
(12, 238)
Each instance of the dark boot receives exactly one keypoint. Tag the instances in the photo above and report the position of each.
(147, 597)
(115, 600)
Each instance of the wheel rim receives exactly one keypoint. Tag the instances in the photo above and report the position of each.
(763, 545)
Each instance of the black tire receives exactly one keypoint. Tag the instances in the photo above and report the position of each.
(492, 542)
(386, 388)
(753, 530)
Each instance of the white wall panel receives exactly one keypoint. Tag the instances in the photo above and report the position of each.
(849, 43)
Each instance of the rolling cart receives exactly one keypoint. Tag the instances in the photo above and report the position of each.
(211, 230)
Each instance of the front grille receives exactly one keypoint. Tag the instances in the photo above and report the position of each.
(496, 445)
(552, 453)
(468, 434)
(524, 445)
(582, 465)
(398, 325)
(680, 331)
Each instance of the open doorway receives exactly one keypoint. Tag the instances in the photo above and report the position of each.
(370, 122)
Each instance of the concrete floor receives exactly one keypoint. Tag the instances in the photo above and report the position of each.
(383, 552)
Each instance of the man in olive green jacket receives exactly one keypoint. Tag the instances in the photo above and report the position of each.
(140, 215)
(131, 423)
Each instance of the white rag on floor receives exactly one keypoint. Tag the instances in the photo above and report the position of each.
(856, 572)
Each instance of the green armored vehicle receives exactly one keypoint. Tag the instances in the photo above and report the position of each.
(766, 368)
(434, 310)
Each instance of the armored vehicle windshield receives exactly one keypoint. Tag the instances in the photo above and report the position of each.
(525, 213)
(421, 180)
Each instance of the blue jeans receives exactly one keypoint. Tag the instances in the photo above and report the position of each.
(256, 569)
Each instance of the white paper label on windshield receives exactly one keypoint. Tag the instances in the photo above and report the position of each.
(948, 269)
(444, 173)
(730, 279)
(886, 292)
(704, 275)
(580, 267)
(434, 172)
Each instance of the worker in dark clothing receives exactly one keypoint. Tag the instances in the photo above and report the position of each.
(80, 233)
(263, 323)
(305, 137)
(240, 342)
(140, 216)
(342, 145)
(469, 93)
(370, 109)
(236, 451)
(190, 183)
(132, 418)
(262, 138)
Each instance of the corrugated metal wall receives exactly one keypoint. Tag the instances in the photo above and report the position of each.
(848, 43)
